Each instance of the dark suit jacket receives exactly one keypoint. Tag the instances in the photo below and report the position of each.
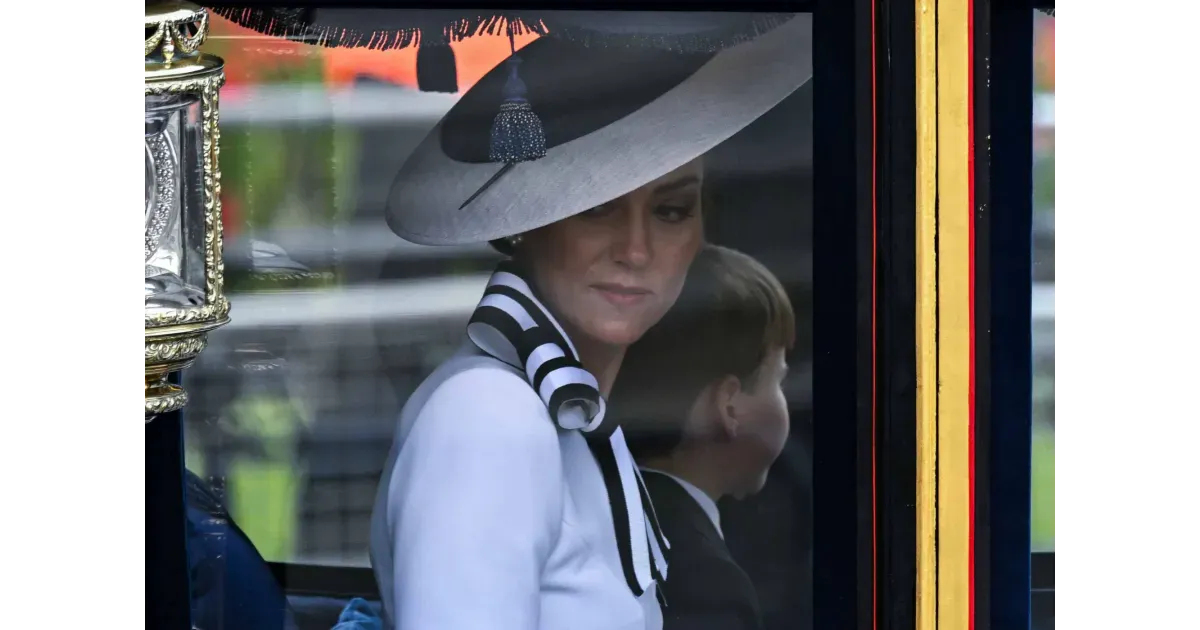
(705, 588)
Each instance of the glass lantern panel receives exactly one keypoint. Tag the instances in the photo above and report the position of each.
(174, 243)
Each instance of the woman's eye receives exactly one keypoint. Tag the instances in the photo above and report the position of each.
(675, 213)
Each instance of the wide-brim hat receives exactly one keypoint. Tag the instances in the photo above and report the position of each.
(612, 119)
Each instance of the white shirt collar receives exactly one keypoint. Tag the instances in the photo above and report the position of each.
(706, 502)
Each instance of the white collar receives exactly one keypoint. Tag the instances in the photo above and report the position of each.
(706, 502)
(512, 325)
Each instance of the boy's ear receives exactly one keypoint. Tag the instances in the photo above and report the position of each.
(725, 394)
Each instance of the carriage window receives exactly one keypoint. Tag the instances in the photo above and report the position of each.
(336, 320)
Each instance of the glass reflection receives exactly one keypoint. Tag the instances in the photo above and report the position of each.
(337, 320)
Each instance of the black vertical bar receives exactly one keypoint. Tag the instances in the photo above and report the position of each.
(981, 67)
(866, 74)
(168, 594)
(1010, 100)
(896, 475)
(842, 314)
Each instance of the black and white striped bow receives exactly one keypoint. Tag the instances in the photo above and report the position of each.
(512, 325)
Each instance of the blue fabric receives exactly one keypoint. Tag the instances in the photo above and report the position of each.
(322, 612)
(359, 615)
(232, 586)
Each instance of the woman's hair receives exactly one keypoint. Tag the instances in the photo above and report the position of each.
(731, 314)
(505, 247)
(502, 245)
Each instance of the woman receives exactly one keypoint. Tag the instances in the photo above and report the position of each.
(507, 501)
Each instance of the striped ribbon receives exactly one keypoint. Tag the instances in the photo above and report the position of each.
(513, 326)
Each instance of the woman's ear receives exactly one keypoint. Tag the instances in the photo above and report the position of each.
(725, 394)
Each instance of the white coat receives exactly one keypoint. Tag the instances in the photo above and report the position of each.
(489, 516)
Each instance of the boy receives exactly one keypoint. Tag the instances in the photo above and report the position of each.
(700, 400)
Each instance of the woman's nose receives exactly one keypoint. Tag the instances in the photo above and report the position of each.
(633, 246)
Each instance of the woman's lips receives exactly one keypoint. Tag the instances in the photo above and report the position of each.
(622, 295)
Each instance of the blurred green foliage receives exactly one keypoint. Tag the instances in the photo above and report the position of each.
(262, 480)
(279, 175)
(1042, 521)
(264, 490)
(1043, 184)
(289, 176)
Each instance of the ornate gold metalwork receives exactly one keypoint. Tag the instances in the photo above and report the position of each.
(175, 349)
(167, 24)
(163, 397)
(944, 518)
(174, 65)
(216, 306)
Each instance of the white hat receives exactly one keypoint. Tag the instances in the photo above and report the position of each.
(592, 123)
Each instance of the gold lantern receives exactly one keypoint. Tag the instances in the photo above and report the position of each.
(184, 295)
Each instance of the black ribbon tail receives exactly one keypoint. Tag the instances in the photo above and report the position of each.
(437, 68)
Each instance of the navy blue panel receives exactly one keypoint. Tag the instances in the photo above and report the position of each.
(168, 600)
(1011, 110)
(842, 313)
(895, 302)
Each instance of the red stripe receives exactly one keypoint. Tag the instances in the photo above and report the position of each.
(971, 314)
(874, 350)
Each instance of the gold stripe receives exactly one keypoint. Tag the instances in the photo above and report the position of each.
(954, 335)
(926, 334)
(943, 314)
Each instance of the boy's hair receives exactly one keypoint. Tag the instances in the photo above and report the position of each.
(731, 313)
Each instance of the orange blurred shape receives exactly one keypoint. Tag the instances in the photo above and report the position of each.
(231, 214)
(475, 56)
(1044, 64)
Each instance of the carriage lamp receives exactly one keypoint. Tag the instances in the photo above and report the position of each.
(183, 284)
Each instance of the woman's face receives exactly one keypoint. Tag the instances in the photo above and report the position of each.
(611, 273)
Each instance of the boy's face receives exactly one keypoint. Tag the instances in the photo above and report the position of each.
(762, 425)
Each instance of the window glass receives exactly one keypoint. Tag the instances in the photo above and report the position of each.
(336, 320)
(1043, 284)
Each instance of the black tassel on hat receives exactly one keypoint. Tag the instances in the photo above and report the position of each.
(517, 133)
(437, 69)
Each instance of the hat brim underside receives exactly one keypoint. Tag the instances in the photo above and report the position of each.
(724, 95)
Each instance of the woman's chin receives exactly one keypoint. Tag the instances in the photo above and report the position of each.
(617, 332)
